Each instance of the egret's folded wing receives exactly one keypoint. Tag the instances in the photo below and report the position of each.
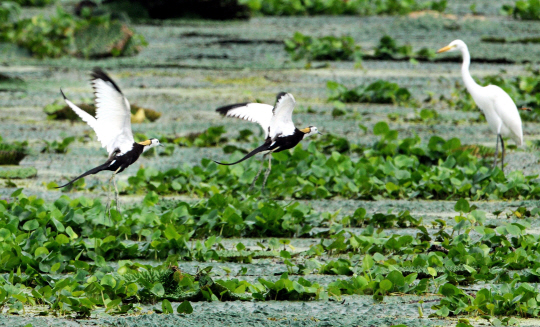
(259, 113)
(113, 114)
(282, 118)
(86, 117)
(506, 109)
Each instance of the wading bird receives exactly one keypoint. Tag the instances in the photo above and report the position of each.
(499, 109)
(276, 122)
(112, 125)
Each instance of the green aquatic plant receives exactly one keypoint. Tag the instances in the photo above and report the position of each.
(34, 3)
(338, 7)
(58, 147)
(377, 92)
(390, 168)
(18, 172)
(523, 9)
(301, 46)
(388, 49)
(12, 153)
(64, 34)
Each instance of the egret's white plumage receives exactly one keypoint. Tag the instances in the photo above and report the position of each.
(112, 123)
(499, 109)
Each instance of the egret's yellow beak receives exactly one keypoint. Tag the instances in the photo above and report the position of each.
(446, 48)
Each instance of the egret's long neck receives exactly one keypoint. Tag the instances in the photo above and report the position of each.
(469, 82)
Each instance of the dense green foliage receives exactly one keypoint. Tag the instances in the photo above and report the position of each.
(333, 48)
(34, 3)
(340, 7)
(58, 36)
(12, 153)
(301, 46)
(388, 49)
(390, 168)
(377, 92)
(57, 254)
(524, 9)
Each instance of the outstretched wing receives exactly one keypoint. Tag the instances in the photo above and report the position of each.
(259, 113)
(282, 123)
(113, 114)
(506, 109)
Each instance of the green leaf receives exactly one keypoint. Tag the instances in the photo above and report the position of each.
(31, 225)
(462, 205)
(185, 307)
(381, 128)
(385, 285)
(158, 289)
(108, 280)
(166, 307)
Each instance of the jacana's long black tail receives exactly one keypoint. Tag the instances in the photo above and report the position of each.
(249, 155)
(90, 172)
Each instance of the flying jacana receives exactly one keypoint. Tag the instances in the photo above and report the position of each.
(112, 125)
(276, 122)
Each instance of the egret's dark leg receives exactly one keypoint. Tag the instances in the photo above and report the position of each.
(496, 153)
(503, 150)
(267, 172)
(258, 173)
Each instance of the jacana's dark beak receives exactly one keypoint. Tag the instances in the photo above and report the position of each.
(319, 133)
(160, 144)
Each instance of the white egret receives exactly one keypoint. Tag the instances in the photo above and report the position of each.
(499, 109)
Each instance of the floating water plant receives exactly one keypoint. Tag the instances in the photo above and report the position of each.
(65, 34)
(17, 172)
(61, 111)
(377, 92)
(12, 153)
(301, 46)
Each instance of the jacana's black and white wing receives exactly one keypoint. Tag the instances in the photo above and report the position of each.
(259, 113)
(112, 123)
(281, 123)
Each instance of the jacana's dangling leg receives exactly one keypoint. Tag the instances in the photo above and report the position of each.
(116, 193)
(116, 190)
(503, 151)
(258, 173)
(108, 207)
(267, 171)
(496, 153)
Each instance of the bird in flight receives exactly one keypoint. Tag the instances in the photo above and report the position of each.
(276, 122)
(112, 125)
(499, 109)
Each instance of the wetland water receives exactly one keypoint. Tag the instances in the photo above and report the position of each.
(192, 67)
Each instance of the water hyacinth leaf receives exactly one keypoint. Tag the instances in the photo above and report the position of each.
(158, 289)
(185, 308)
(462, 206)
(166, 307)
(108, 280)
(31, 225)
(385, 285)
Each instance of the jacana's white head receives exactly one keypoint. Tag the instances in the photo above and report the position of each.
(311, 130)
(148, 144)
(456, 45)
